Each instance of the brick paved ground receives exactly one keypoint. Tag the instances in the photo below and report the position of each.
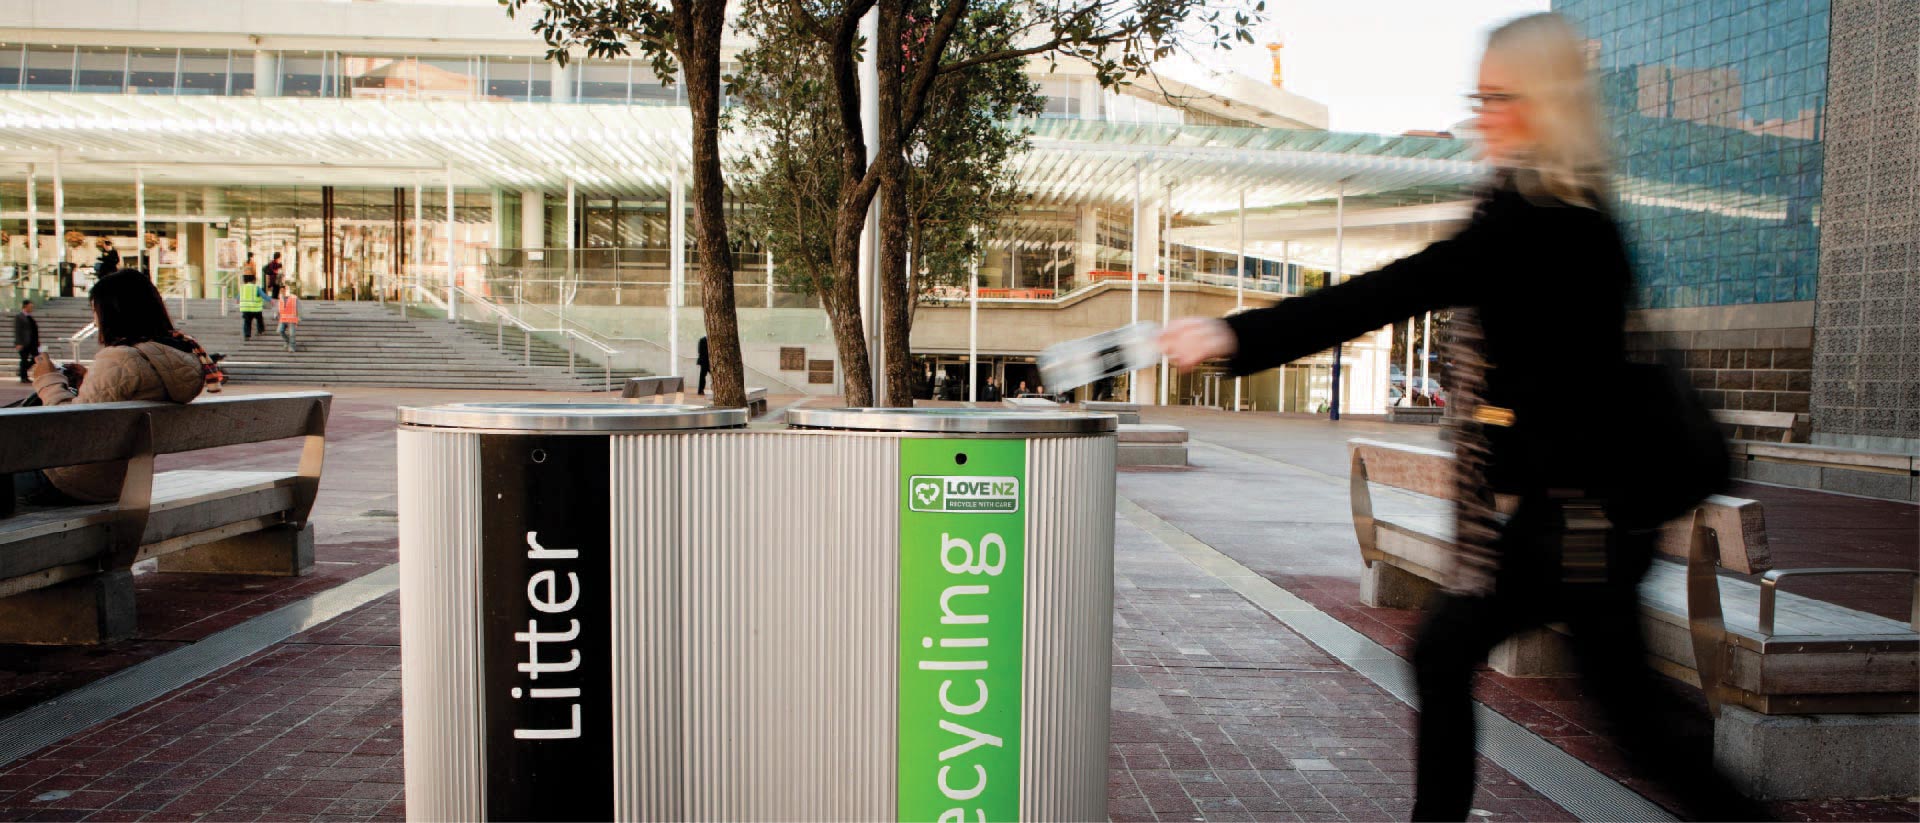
(1274, 496)
(1220, 713)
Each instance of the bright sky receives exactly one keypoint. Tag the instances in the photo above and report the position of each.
(1382, 66)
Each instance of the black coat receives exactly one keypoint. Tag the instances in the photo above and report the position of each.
(700, 358)
(1551, 285)
(108, 263)
(26, 332)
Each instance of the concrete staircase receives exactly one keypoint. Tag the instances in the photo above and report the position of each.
(514, 345)
(350, 344)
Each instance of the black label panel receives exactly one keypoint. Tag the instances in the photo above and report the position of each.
(546, 598)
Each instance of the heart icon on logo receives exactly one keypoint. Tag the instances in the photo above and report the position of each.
(928, 492)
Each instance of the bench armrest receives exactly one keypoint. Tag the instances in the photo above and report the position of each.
(1770, 581)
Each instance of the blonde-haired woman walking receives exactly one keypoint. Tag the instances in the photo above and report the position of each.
(1541, 277)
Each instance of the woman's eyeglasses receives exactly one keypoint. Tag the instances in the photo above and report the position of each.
(1481, 101)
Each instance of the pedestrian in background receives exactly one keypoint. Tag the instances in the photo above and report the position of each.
(253, 302)
(288, 309)
(26, 338)
(109, 260)
(274, 272)
(1541, 275)
(700, 359)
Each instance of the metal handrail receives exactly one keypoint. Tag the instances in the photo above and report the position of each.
(86, 332)
(503, 317)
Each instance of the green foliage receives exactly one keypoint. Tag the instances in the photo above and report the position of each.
(605, 28)
(957, 175)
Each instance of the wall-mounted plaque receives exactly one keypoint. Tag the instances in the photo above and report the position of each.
(793, 358)
(820, 372)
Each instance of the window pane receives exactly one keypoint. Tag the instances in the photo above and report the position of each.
(602, 81)
(242, 74)
(378, 76)
(448, 77)
(507, 78)
(302, 76)
(203, 71)
(49, 68)
(10, 65)
(648, 89)
(152, 71)
(102, 71)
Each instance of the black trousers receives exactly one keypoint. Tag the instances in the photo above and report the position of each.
(27, 354)
(249, 321)
(703, 381)
(1604, 619)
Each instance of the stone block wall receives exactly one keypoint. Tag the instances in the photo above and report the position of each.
(1741, 358)
(1866, 364)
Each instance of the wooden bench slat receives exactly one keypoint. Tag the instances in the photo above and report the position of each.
(48, 436)
(1427, 471)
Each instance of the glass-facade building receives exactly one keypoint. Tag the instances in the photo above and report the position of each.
(1718, 112)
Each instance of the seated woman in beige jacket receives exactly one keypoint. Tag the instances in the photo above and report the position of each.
(142, 357)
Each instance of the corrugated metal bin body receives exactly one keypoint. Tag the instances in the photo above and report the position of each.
(443, 567)
(754, 624)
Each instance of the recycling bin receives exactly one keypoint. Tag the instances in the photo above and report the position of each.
(618, 611)
(937, 618)
(539, 563)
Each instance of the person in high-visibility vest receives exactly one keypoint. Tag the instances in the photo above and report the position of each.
(289, 310)
(253, 302)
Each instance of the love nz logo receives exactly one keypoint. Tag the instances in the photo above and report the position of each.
(963, 494)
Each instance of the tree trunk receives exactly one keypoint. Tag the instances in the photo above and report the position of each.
(699, 24)
(896, 296)
(842, 302)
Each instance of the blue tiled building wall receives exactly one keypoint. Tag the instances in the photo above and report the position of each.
(1717, 110)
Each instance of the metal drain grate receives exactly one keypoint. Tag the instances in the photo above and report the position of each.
(1548, 769)
(71, 713)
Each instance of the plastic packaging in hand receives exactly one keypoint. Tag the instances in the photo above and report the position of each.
(1076, 363)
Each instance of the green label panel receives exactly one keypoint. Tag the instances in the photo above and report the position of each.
(962, 584)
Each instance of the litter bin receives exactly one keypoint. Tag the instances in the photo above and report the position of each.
(539, 551)
(617, 611)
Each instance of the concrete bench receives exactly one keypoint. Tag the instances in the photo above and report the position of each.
(1125, 412)
(656, 388)
(1029, 403)
(1750, 425)
(1416, 414)
(756, 402)
(1150, 444)
(1812, 699)
(1883, 475)
(66, 572)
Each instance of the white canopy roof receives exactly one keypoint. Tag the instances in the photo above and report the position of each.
(631, 150)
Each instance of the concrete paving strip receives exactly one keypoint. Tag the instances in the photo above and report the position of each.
(104, 699)
(1548, 769)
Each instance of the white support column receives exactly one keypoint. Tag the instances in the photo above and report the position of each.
(870, 234)
(1333, 278)
(419, 251)
(1133, 277)
(59, 212)
(1286, 269)
(1426, 349)
(973, 321)
(1166, 285)
(453, 302)
(573, 227)
(33, 214)
(140, 219)
(1407, 376)
(676, 263)
(533, 219)
(563, 80)
(266, 74)
(1240, 280)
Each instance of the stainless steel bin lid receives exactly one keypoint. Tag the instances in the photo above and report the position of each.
(571, 418)
(954, 421)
